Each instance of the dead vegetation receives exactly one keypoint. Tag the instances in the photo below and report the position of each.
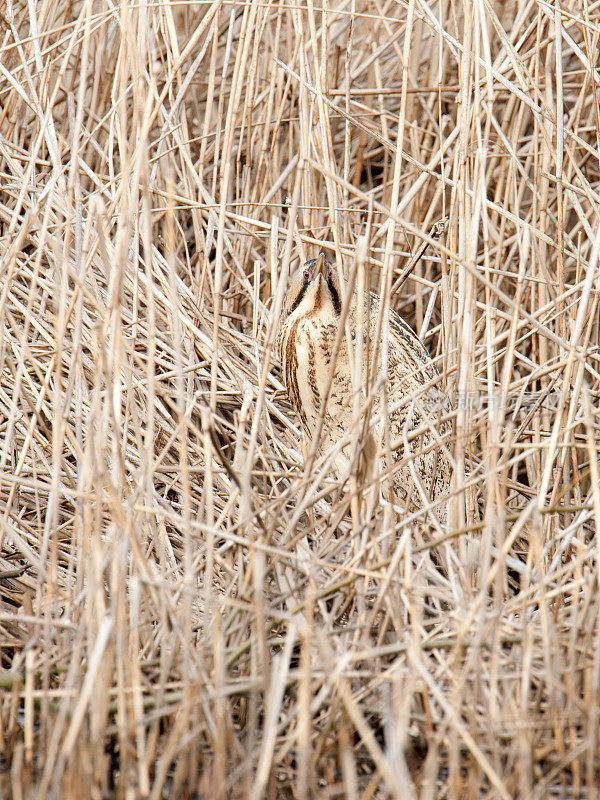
(184, 610)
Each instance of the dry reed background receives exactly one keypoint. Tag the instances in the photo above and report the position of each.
(184, 612)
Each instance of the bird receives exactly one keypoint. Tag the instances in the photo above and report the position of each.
(316, 363)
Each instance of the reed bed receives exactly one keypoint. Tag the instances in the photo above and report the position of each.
(185, 610)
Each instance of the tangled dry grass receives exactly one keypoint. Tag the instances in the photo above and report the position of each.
(185, 611)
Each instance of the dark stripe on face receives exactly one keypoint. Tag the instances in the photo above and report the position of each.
(301, 294)
(337, 304)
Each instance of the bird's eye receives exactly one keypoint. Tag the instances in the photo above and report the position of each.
(306, 274)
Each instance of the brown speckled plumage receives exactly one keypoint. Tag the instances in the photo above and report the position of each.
(306, 338)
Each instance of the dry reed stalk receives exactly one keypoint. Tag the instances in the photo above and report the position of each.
(188, 605)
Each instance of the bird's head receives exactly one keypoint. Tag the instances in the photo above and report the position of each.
(314, 289)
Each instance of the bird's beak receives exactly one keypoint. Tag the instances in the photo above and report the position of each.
(320, 266)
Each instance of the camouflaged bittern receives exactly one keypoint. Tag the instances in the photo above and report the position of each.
(306, 341)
